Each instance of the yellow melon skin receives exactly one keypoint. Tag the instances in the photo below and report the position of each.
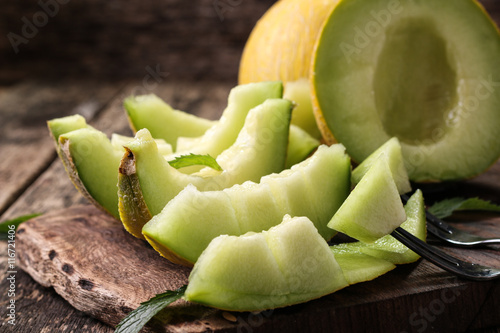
(281, 45)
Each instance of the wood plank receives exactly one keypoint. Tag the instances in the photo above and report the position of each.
(86, 256)
(24, 110)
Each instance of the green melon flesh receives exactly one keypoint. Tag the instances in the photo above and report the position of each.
(299, 92)
(392, 151)
(92, 164)
(288, 264)
(151, 112)
(119, 141)
(300, 145)
(426, 72)
(390, 249)
(223, 133)
(373, 209)
(148, 180)
(64, 125)
(193, 218)
(358, 266)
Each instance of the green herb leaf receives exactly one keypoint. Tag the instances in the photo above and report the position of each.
(446, 207)
(4, 226)
(136, 319)
(193, 159)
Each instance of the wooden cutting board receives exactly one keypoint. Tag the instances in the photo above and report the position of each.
(92, 262)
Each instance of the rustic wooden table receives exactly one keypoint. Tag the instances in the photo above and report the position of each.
(85, 59)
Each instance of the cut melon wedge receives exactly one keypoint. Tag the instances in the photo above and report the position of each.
(147, 180)
(188, 223)
(63, 125)
(300, 93)
(300, 145)
(358, 266)
(427, 72)
(390, 249)
(288, 264)
(373, 209)
(151, 112)
(92, 163)
(119, 141)
(392, 151)
(223, 133)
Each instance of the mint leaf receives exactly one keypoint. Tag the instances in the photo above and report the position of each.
(139, 317)
(4, 226)
(446, 207)
(193, 159)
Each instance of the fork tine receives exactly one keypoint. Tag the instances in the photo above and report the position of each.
(449, 263)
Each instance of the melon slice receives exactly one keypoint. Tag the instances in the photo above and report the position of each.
(300, 93)
(392, 151)
(92, 163)
(188, 223)
(119, 141)
(389, 248)
(373, 209)
(426, 72)
(151, 112)
(358, 266)
(147, 180)
(66, 124)
(288, 264)
(223, 133)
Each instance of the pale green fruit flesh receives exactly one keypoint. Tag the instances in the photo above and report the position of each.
(92, 163)
(119, 141)
(300, 145)
(151, 112)
(241, 100)
(299, 92)
(193, 218)
(358, 266)
(392, 250)
(392, 150)
(373, 209)
(260, 149)
(288, 264)
(427, 72)
(64, 125)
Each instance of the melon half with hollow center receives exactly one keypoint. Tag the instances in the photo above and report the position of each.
(426, 72)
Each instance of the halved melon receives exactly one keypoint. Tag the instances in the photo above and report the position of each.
(426, 72)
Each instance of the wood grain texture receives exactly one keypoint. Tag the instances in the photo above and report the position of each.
(24, 110)
(103, 271)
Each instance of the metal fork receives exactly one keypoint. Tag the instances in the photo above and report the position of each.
(449, 263)
(452, 235)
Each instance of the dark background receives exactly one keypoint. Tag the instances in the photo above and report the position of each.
(114, 39)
